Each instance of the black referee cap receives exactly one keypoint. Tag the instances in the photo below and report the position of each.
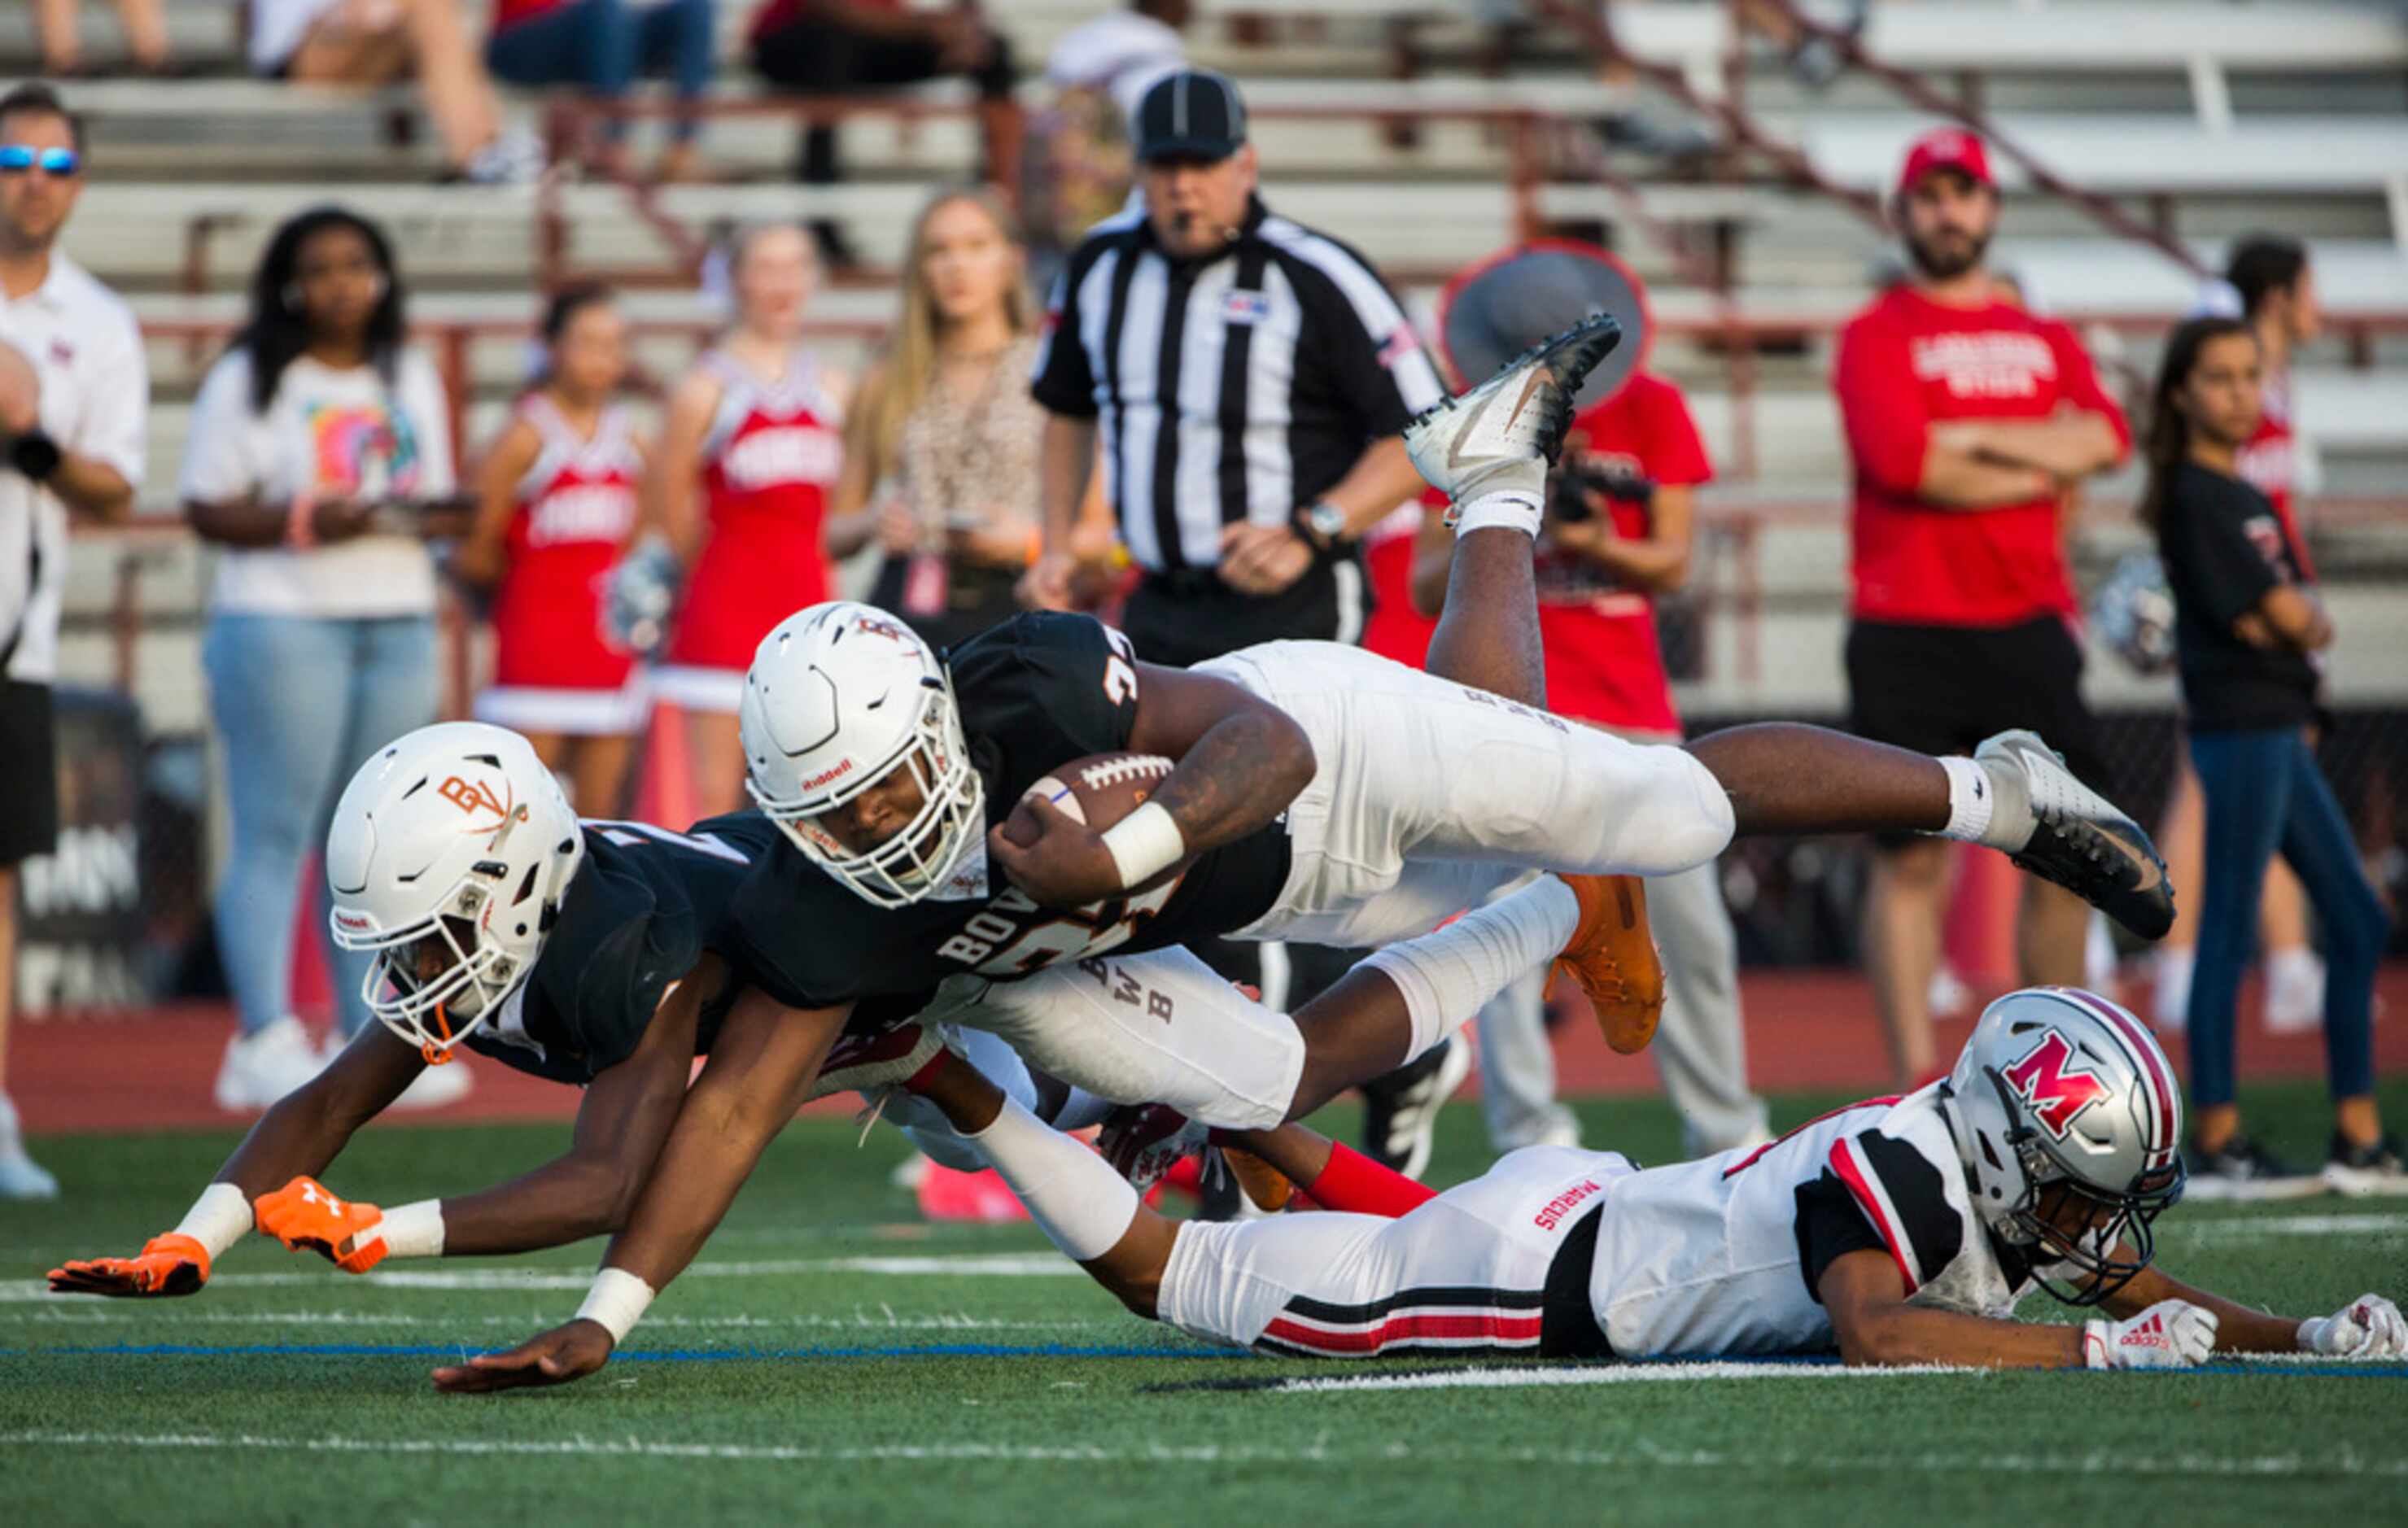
(1190, 114)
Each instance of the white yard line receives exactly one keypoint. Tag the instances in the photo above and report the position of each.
(2372, 1225)
(2317, 1466)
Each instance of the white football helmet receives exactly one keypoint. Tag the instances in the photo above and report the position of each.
(448, 856)
(2061, 1089)
(839, 697)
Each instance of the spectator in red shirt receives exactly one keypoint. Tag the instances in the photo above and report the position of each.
(1968, 420)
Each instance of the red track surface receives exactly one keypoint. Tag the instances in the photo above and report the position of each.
(151, 1070)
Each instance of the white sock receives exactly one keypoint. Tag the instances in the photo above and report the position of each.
(1986, 806)
(1072, 1195)
(1451, 975)
(1511, 510)
(9, 1141)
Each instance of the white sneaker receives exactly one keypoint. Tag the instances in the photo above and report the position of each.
(22, 1177)
(438, 1086)
(1502, 436)
(2295, 992)
(261, 1068)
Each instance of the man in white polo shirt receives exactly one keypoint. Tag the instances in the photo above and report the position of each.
(72, 393)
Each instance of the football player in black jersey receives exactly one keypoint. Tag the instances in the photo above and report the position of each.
(577, 951)
(1317, 792)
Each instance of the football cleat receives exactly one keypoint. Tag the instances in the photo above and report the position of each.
(1143, 1141)
(1401, 1109)
(1502, 436)
(870, 1064)
(1613, 955)
(2079, 840)
(1264, 1185)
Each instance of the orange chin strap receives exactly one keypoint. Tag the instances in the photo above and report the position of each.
(427, 1049)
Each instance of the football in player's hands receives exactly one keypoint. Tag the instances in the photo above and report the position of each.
(1097, 791)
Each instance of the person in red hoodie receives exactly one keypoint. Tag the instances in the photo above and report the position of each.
(1968, 418)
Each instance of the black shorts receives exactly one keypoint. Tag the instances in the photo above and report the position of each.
(1942, 689)
(29, 773)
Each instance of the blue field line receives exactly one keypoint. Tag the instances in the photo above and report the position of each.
(963, 1350)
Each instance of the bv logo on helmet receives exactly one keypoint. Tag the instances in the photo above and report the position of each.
(2056, 1094)
(472, 798)
(876, 627)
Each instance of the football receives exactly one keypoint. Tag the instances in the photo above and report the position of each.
(1098, 791)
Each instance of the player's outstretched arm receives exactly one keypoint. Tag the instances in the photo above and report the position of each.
(626, 1115)
(2368, 1327)
(1866, 1297)
(760, 1071)
(1240, 761)
(298, 1136)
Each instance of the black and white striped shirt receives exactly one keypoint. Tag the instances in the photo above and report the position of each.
(1236, 388)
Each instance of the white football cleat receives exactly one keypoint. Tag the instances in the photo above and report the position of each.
(1143, 1141)
(1502, 436)
(870, 1064)
(2079, 839)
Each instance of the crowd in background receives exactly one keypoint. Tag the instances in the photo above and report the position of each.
(990, 459)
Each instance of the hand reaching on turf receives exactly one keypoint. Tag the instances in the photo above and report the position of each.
(2170, 1334)
(306, 1217)
(555, 1358)
(169, 1266)
(2368, 1327)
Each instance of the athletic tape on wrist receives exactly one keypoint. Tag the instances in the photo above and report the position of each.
(1970, 800)
(616, 1302)
(414, 1230)
(217, 1219)
(1507, 509)
(2093, 1345)
(1145, 843)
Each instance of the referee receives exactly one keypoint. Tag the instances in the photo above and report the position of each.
(1249, 380)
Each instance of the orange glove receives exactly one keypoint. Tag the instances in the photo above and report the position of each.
(306, 1217)
(170, 1265)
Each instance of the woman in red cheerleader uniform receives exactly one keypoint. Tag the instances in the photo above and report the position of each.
(556, 504)
(758, 425)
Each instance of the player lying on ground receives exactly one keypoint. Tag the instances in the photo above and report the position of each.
(1406, 798)
(1899, 1230)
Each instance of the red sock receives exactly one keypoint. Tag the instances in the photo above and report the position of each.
(1354, 1183)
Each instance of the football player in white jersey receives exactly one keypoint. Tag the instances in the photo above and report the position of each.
(1896, 1231)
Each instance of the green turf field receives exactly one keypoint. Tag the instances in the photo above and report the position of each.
(833, 1361)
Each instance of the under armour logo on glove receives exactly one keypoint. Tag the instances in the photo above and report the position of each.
(2170, 1334)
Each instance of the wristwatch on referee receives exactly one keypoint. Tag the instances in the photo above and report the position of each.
(1323, 524)
(34, 454)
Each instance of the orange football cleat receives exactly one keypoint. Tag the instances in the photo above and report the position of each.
(1612, 956)
(170, 1265)
(1265, 1186)
(306, 1217)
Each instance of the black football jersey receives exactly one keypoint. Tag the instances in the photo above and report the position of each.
(1036, 692)
(644, 906)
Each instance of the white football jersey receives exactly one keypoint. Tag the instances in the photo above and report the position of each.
(1720, 1255)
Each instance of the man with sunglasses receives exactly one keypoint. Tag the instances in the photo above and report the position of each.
(72, 396)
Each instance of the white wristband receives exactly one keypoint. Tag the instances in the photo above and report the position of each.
(616, 1302)
(1145, 843)
(1507, 509)
(2093, 1345)
(414, 1230)
(217, 1219)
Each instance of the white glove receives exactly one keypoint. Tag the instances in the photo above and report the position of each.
(2170, 1334)
(2368, 1327)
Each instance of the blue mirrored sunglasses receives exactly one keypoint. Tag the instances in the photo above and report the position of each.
(17, 158)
